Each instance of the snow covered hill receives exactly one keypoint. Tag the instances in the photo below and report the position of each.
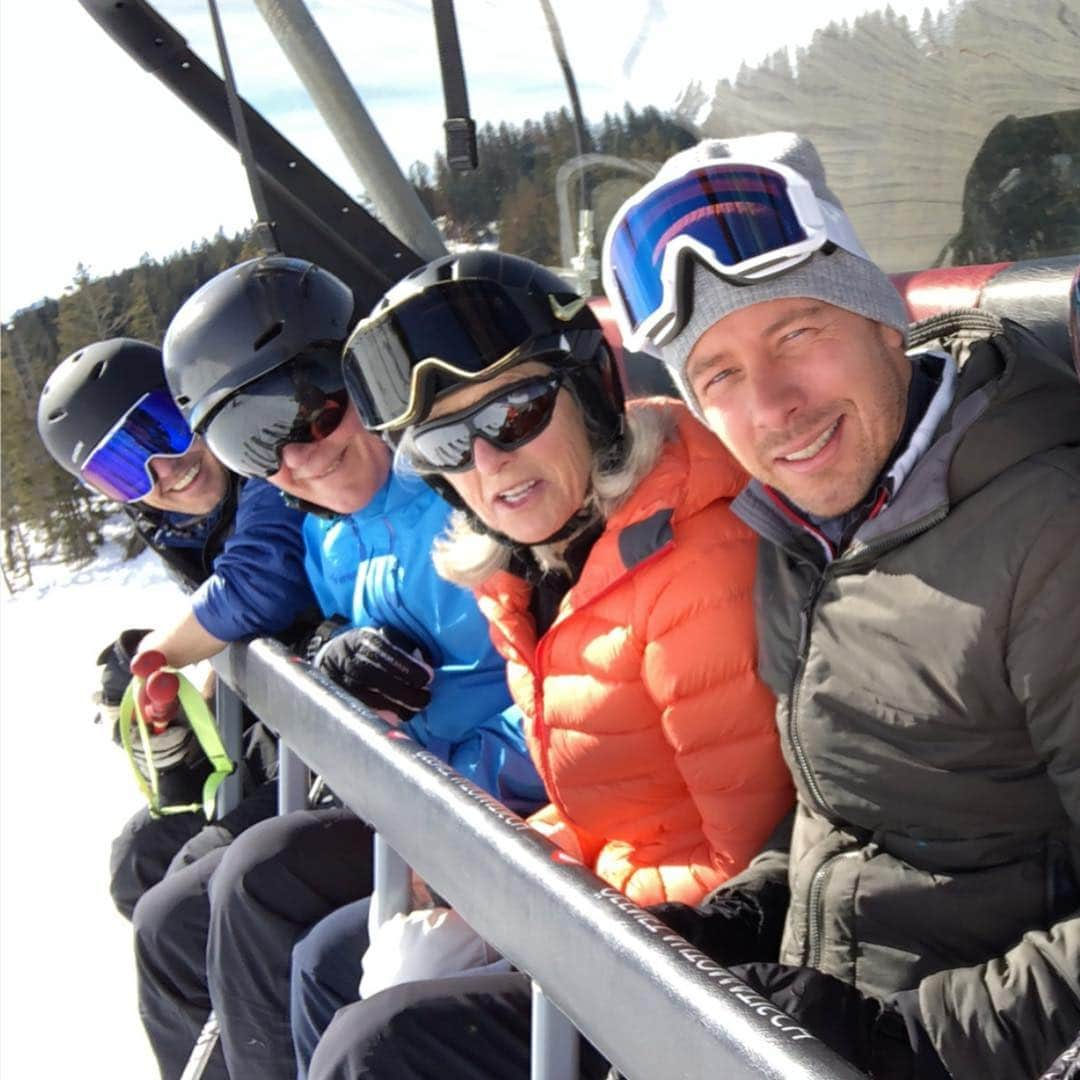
(67, 981)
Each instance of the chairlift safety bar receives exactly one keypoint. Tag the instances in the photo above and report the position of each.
(676, 1013)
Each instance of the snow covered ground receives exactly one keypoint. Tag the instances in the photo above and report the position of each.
(67, 977)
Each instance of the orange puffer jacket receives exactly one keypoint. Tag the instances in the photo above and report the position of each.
(644, 713)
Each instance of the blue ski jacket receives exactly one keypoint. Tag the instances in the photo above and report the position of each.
(257, 584)
(374, 568)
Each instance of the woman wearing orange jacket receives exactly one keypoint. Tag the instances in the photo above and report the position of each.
(644, 716)
(602, 548)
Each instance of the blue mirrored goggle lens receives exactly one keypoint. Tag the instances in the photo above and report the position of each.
(118, 466)
(507, 420)
(738, 212)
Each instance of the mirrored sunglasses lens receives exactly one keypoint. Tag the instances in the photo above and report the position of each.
(508, 421)
(448, 447)
(515, 417)
(322, 421)
(303, 401)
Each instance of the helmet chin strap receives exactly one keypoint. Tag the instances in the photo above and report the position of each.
(294, 502)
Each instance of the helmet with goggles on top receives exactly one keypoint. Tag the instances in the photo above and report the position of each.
(466, 319)
(253, 359)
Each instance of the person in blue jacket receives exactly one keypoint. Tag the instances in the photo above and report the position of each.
(106, 416)
(412, 647)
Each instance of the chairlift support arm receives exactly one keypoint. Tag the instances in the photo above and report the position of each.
(315, 219)
(340, 106)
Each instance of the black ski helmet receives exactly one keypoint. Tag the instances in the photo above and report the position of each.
(244, 323)
(90, 391)
(504, 304)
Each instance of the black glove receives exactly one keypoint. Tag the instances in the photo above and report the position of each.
(886, 1039)
(734, 926)
(381, 667)
(115, 663)
(309, 646)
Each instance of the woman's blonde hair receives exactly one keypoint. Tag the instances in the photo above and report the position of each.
(468, 557)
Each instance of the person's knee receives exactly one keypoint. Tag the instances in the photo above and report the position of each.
(141, 854)
(172, 917)
(251, 849)
(125, 884)
(293, 864)
(388, 1035)
(331, 950)
(157, 918)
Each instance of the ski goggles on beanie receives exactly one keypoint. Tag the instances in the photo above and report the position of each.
(507, 419)
(397, 361)
(746, 222)
(302, 401)
(119, 466)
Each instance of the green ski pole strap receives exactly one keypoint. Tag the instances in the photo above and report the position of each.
(206, 731)
(129, 706)
(201, 721)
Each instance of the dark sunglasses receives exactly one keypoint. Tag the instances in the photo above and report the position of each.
(507, 419)
(303, 401)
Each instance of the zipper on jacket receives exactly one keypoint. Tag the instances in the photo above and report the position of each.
(895, 539)
(842, 565)
(815, 929)
(806, 616)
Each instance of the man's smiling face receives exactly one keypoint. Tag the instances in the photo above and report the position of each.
(341, 472)
(809, 397)
(190, 483)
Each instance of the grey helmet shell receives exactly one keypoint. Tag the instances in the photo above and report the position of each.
(244, 323)
(90, 391)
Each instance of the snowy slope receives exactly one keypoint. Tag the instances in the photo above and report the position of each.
(67, 978)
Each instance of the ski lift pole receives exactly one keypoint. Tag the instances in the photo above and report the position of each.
(292, 780)
(393, 885)
(228, 713)
(555, 1047)
(333, 95)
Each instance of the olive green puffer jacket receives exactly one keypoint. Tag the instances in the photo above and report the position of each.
(929, 709)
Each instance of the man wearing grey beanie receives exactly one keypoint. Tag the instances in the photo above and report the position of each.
(917, 494)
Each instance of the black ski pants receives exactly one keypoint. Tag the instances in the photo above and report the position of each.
(470, 1027)
(142, 852)
(219, 933)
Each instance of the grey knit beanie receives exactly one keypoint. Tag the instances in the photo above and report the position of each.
(848, 280)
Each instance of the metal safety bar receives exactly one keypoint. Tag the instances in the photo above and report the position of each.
(228, 712)
(677, 1014)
